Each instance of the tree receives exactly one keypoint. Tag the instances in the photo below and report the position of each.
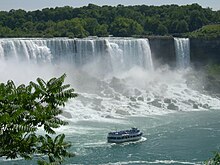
(74, 26)
(215, 160)
(197, 20)
(151, 24)
(24, 110)
(102, 30)
(91, 24)
(182, 27)
(84, 21)
(161, 29)
(125, 27)
(5, 31)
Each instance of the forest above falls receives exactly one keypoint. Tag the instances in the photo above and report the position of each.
(119, 21)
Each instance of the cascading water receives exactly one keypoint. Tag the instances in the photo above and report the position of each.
(182, 47)
(128, 53)
(115, 77)
(107, 53)
(25, 49)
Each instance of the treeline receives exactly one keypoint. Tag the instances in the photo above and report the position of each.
(93, 20)
(206, 32)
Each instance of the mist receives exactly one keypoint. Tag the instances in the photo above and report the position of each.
(114, 78)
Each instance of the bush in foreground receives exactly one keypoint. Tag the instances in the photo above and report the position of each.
(26, 109)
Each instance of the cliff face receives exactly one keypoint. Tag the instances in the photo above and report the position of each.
(163, 50)
(202, 51)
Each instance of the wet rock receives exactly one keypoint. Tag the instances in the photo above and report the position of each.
(141, 98)
(172, 106)
(133, 99)
(133, 105)
(108, 116)
(121, 112)
(206, 106)
(157, 96)
(191, 101)
(177, 94)
(186, 102)
(156, 103)
(174, 101)
(187, 91)
(195, 106)
(166, 100)
(117, 98)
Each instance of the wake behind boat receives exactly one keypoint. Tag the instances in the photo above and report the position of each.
(133, 134)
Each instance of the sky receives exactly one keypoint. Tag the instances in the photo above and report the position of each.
(40, 4)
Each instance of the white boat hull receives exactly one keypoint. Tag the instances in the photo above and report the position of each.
(124, 140)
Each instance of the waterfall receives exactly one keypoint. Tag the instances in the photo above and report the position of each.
(114, 77)
(131, 52)
(182, 48)
(107, 54)
(25, 49)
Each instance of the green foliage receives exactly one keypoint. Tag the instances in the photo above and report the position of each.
(213, 70)
(161, 30)
(103, 20)
(207, 32)
(55, 149)
(102, 30)
(125, 27)
(25, 109)
(181, 27)
(215, 160)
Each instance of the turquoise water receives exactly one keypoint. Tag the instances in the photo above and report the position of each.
(179, 138)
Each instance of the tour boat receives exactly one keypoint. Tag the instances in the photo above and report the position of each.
(133, 134)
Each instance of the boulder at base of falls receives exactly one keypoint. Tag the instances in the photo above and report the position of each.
(206, 106)
(117, 98)
(172, 106)
(132, 98)
(141, 98)
(121, 112)
(191, 101)
(166, 100)
(195, 106)
(156, 103)
(108, 116)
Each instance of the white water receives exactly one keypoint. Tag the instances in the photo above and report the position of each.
(182, 47)
(114, 77)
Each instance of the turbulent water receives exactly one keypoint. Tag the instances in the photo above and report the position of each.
(117, 84)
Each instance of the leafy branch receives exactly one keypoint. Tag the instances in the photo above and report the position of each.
(25, 109)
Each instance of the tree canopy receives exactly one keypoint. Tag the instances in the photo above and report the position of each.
(106, 20)
(26, 109)
(206, 32)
